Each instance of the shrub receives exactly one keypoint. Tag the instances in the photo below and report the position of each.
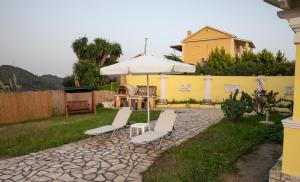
(248, 64)
(264, 100)
(219, 59)
(234, 108)
(68, 81)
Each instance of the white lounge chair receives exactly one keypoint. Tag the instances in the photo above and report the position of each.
(163, 127)
(119, 122)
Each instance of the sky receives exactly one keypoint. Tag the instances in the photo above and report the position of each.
(36, 35)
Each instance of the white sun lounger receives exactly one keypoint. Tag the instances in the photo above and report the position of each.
(163, 127)
(119, 122)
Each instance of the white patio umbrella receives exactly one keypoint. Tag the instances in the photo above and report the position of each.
(147, 65)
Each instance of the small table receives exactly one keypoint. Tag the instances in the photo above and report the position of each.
(138, 126)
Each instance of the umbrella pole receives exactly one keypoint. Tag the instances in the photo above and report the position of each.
(148, 104)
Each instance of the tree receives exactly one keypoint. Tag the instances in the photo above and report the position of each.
(80, 47)
(280, 57)
(264, 100)
(68, 81)
(173, 57)
(248, 56)
(249, 63)
(100, 51)
(87, 73)
(266, 57)
(219, 59)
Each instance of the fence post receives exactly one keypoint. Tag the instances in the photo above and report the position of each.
(207, 89)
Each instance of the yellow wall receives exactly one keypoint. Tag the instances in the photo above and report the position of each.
(247, 84)
(173, 87)
(173, 83)
(278, 84)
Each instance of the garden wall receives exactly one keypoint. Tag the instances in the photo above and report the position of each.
(21, 106)
(184, 87)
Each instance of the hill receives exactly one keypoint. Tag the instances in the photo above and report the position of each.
(29, 81)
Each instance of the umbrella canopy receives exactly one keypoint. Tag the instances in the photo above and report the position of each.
(145, 65)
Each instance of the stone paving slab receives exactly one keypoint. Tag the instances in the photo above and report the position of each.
(103, 159)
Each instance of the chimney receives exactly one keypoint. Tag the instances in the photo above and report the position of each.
(189, 33)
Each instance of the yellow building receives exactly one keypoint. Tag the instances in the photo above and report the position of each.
(197, 46)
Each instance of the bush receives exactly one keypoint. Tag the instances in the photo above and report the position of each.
(68, 81)
(248, 64)
(234, 108)
(264, 100)
(219, 59)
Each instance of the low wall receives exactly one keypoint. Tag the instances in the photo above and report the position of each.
(216, 88)
(21, 106)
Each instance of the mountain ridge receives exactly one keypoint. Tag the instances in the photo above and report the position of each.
(29, 81)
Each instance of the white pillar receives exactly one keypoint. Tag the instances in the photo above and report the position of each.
(260, 82)
(207, 89)
(163, 89)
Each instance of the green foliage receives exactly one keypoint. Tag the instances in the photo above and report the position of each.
(88, 74)
(218, 59)
(249, 63)
(264, 100)
(248, 56)
(100, 51)
(68, 81)
(275, 131)
(266, 57)
(173, 57)
(113, 86)
(234, 108)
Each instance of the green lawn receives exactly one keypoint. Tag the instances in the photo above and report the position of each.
(113, 86)
(203, 157)
(35, 135)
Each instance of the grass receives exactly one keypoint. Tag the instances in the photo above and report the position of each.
(34, 135)
(113, 86)
(203, 157)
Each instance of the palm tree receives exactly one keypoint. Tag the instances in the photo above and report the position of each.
(115, 52)
(80, 47)
(100, 51)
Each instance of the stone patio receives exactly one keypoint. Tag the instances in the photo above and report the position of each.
(98, 159)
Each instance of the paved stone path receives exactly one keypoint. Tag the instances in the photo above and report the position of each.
(95, 159)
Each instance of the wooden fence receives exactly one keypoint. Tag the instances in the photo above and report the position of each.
(21, 106)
